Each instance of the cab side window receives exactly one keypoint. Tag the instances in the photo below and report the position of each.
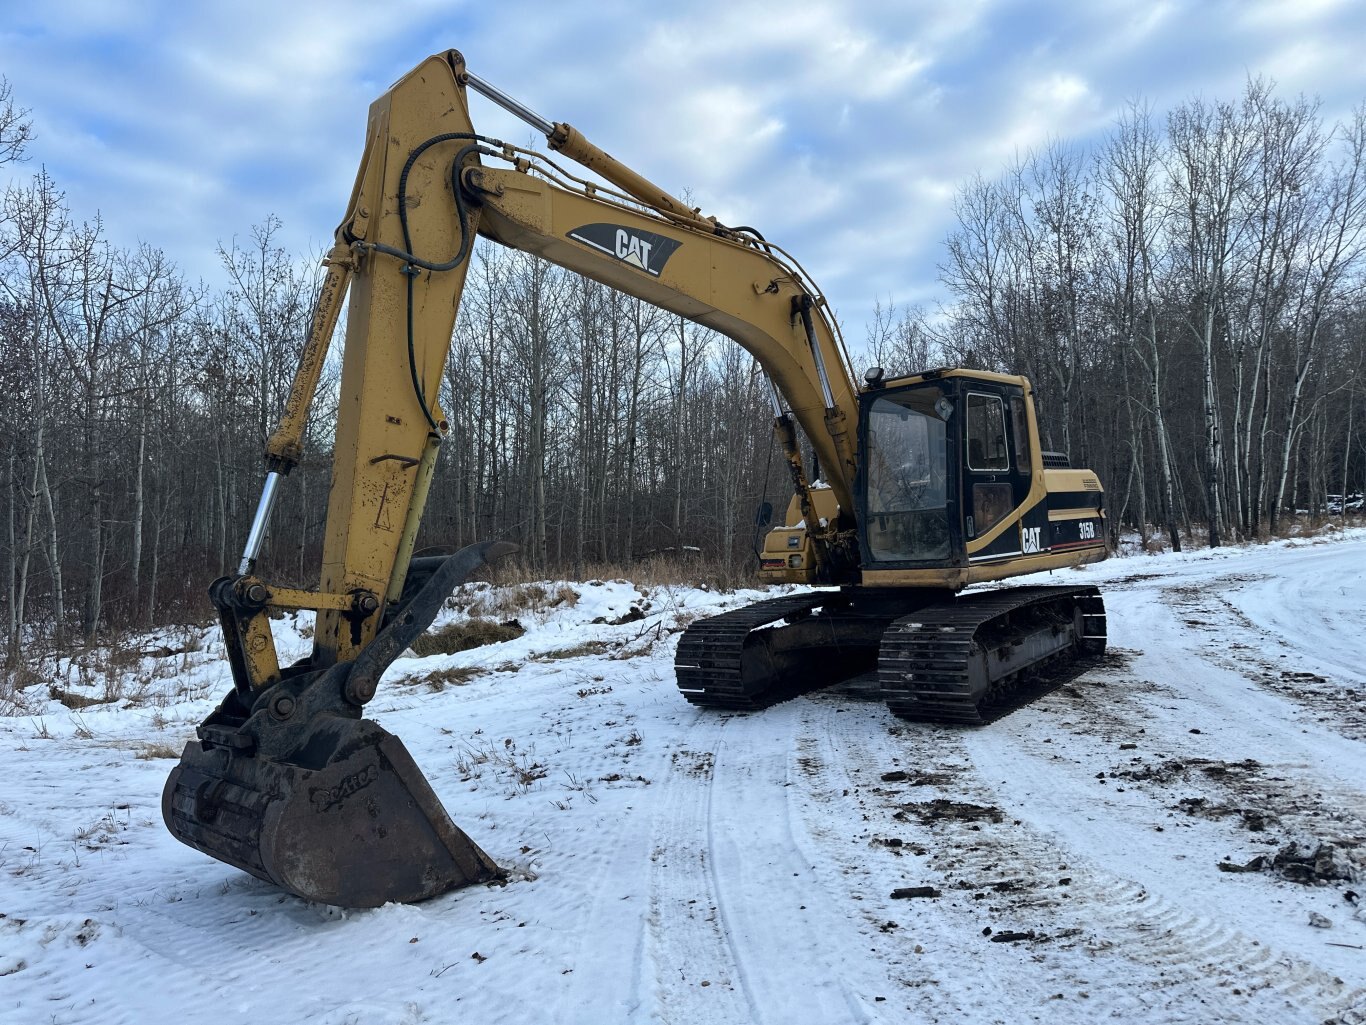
(1017, 412)
(987, 433)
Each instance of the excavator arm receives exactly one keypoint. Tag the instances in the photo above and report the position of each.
(287, 780)
(422, 193)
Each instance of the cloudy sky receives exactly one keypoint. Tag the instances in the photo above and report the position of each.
(840, 130)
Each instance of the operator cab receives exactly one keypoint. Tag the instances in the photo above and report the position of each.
(946, 461)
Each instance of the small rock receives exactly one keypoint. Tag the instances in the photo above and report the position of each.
(1319, 922)
(1013, 937)
(1257, 864)
(1302, 865)
(905, 892)
(896, 776)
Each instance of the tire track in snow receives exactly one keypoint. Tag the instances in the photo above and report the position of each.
(748, 913)
(786, 925)
(1286, 656)
(685, 945)
(1130, 898)
(1180, 960)
(942, 968)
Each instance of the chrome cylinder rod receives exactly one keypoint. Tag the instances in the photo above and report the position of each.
(774, 397)
(257, 536)
(805, 310)
(513, 107)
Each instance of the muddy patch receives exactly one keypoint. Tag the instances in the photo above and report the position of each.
(927, 812)
(1172, 770)
(693, 763)
(1312, 864)
(918, 779)
(1314, 837)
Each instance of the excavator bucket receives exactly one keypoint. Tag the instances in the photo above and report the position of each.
(357, 827)
(299, 790)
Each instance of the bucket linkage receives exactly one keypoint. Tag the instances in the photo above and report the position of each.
(295, 787)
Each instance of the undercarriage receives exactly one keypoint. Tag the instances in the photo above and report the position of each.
(955, 659)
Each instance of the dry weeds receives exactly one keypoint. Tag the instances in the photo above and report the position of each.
(453, 676)
(473, 633)
(577, 651)
(151, 751)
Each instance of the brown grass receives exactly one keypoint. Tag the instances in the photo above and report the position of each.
(507, 600)
(577, 651)
(653, 571)
(473, 633)
(73, 701)
(151, 751)
(454, 676)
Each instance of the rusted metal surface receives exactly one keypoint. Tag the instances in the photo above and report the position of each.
(293, 786)
(350, 820)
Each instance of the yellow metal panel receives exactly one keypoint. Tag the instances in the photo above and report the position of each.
(382, 429)
(957, 579)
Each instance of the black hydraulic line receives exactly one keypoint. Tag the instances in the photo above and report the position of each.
(801, 305)
(406, 253)
(755, 232)
(412, 262)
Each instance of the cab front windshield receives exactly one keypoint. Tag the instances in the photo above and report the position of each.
(907, 459)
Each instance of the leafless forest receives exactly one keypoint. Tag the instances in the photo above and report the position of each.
(1185, 293)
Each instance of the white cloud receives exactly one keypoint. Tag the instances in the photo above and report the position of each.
(840, 129)
(1280, 14)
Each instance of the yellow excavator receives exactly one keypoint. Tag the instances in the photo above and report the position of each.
(931, 482)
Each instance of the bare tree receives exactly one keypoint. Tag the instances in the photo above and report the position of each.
(1332, 251)
(16, 128)
(898, 339)
(1210, 163)
(1129, 166)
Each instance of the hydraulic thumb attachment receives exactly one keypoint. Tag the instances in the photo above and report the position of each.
(293, 786)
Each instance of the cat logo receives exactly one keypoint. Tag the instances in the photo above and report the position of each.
(643, 250)
(1029, 539)
(632, 250)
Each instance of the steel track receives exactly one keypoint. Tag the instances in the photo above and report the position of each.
(966, 660)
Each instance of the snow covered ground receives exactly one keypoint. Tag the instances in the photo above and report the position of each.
(680, 866)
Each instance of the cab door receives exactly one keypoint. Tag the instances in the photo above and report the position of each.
(995, 473)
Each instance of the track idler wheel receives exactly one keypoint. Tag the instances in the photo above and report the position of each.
(299, 790)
